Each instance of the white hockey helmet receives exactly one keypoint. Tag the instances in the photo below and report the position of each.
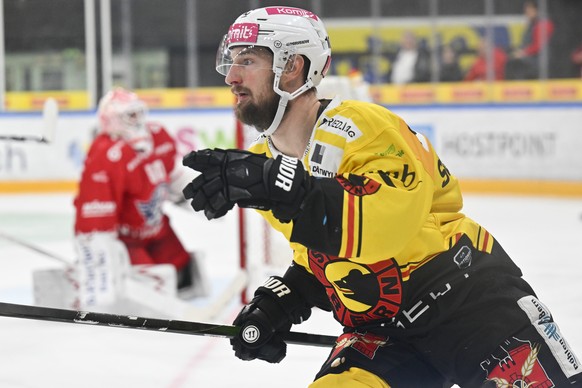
(286, 32)
(122, 114)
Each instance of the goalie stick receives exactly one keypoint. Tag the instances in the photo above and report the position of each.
(12, 310)
(50, 113)
(35, 248)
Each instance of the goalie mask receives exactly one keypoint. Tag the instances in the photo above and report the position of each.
(286, 32)
(123, 115)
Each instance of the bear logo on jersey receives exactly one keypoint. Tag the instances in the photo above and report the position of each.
(359, 293)
(360, 287)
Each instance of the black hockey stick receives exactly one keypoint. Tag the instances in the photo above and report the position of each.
(161, 325)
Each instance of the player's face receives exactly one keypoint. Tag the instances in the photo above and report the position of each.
(251, 80)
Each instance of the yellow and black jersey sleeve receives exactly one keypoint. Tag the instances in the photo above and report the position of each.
(379, 190)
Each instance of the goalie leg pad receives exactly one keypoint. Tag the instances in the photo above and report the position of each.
(159, 277)
(56, 288)
(101, 268)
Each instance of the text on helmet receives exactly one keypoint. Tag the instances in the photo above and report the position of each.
(243, 32)
(290, 11)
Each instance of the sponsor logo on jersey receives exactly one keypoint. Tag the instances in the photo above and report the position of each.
(321, 172)
(324, 159)
(407, 176)
(98, 209)
(341, 125)
(391, 150)
(318, 152)
(543, 322)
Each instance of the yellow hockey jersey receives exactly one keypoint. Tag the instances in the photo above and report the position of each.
(382, 203)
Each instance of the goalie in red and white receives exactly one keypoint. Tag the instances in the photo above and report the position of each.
(120, 224)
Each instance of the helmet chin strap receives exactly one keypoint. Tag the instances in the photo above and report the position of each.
(284, 98)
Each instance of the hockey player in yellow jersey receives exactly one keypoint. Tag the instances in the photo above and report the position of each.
(427, 297)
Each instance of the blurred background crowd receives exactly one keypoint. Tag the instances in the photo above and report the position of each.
(90, 45)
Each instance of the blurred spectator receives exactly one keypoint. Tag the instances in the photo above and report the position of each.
(478, 71)
(450, 68)
(576, 58)
(411, 63)
(523, 63)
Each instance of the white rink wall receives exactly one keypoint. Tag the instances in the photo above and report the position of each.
(532, 142)
(63, 158)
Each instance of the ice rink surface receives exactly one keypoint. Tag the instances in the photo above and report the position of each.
(543, 235)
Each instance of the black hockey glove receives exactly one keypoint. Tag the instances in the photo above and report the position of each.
(274, 308)
(247, 179)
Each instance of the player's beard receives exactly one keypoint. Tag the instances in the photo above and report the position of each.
(259, 113)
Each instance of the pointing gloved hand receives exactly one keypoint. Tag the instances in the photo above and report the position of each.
(247, 179)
